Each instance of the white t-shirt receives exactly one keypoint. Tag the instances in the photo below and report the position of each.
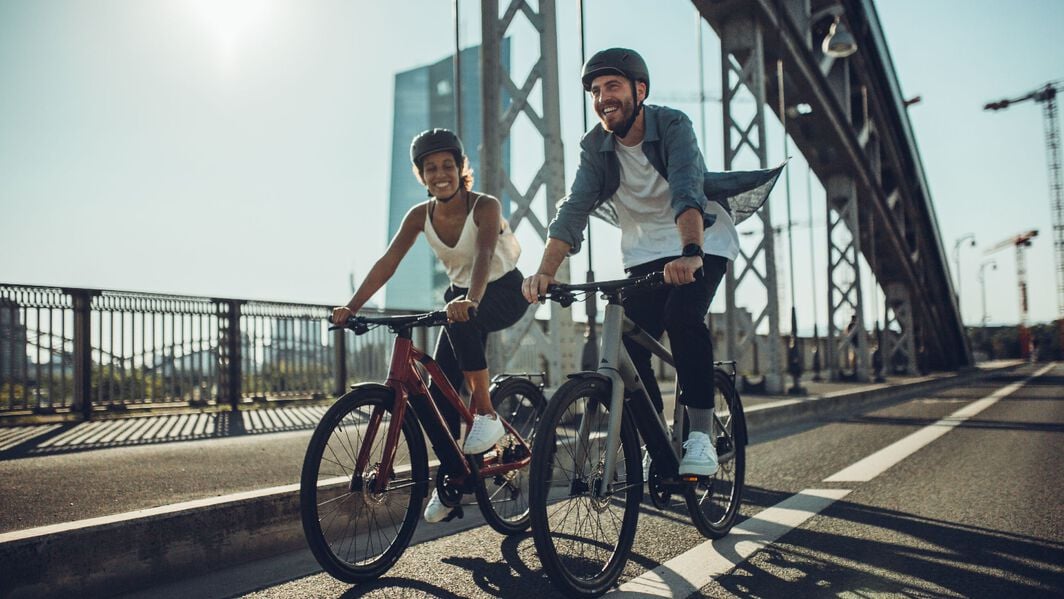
(644, 211)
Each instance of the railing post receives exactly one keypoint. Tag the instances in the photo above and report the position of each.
(229, 362)
(341, 363)
(82, 299)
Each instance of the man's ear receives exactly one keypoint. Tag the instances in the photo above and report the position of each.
(641, 90)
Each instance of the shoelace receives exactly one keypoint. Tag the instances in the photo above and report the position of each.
(697, 446)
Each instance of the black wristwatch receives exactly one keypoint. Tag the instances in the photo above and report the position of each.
(692, 249)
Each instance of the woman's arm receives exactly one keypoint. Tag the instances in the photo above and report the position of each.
(384, 267)
(488, 218)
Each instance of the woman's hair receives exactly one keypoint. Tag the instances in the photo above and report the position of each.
(465, 178)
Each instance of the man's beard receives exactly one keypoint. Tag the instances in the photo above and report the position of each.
(622, 114)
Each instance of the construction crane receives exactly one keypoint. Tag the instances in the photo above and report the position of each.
(1047, 97)
(1021, 242)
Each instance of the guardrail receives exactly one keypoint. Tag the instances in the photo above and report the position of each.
(82, 351)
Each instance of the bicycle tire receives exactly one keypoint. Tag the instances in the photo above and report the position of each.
(357, 535)
(504, 499)
(714, 504)
(561, 506)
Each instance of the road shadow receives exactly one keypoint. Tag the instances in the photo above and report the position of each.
(938, 558)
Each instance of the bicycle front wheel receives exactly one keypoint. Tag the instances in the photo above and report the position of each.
(714, 503)
(583, 536)
(503, 499)
(355, 532)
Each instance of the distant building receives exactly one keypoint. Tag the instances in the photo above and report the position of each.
(424, 99)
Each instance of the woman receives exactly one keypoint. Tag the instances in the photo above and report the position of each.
(468, 234)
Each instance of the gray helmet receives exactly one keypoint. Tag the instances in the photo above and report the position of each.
(434, 140)
(619, 61)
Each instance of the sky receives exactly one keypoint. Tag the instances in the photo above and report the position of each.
(241, 148)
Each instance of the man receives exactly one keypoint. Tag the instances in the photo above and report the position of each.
(641, 168)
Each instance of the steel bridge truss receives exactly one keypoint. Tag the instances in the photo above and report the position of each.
(497, 126)
(857, 139)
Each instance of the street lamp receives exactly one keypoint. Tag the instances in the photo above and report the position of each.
(982, 284)
(957, 262)
(839, 42)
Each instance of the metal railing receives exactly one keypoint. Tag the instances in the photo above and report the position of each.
(81, 351)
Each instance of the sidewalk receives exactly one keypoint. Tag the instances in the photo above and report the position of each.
(152, 509)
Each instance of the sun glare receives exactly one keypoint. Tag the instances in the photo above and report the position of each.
(232, 22)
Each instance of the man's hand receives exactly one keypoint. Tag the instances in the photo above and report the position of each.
(535, 286)
(681, 271)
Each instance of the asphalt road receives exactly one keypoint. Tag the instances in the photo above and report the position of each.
(961, 497)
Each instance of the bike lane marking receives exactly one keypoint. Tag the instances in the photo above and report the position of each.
(877, 463)
(687, 573)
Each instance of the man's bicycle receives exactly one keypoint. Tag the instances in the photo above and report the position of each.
(587, 471)
(366, 472)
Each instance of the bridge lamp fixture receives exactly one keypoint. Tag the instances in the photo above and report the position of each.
(839, 42)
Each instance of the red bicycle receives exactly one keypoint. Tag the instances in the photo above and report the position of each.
(366, 472)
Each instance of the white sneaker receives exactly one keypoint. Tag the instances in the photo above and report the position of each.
(701, 457)
(484, 434)
(435, 511)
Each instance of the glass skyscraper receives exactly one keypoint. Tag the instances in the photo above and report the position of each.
(424, 99)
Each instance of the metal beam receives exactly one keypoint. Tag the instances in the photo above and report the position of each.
(743, 66)
(558, 348)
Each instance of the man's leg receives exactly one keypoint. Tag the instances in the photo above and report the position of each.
(692, 349)
(644, 308)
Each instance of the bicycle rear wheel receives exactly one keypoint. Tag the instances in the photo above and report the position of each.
(714, 503)
(583, 540)
(503, 499)
(355, 533)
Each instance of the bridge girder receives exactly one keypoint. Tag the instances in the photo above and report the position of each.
(858, 127)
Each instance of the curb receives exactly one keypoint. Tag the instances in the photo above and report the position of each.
(116, 554)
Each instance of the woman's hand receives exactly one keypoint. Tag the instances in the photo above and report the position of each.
(341, 314)
(458, 309)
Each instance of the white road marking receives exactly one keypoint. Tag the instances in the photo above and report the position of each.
(685, 574)
(875, 464)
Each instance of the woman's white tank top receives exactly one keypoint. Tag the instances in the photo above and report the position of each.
(458, 260)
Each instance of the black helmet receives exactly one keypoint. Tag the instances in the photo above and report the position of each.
(434, 140)
(620, 61)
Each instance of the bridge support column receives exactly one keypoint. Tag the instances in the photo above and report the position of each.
(901, 350)
(847, 347)
(743, 73)
(558, 346)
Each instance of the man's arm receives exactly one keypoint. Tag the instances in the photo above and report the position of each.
(555, 251)
(682, 270)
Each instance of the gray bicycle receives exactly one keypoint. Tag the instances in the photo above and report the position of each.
(587, 467)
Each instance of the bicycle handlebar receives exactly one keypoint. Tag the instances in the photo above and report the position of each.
(362, 324)
(565, 293)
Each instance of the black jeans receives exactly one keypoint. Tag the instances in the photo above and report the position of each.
(681, 311)
(461, 345)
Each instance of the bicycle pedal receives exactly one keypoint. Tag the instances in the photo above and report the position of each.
(455, 513)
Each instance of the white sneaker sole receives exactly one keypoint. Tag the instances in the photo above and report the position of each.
(699, 470)
(482, 448)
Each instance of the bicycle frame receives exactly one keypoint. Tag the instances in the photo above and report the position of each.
(409, 388)
(616, 365)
